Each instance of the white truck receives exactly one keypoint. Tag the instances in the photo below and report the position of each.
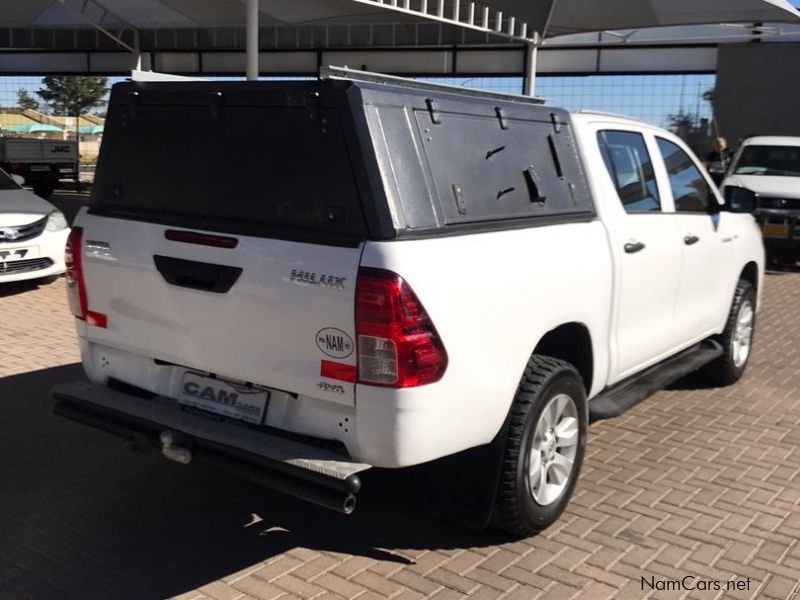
(40, 162)
(765, 176)
(367, 272)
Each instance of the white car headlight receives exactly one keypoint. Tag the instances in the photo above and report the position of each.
(56, 221)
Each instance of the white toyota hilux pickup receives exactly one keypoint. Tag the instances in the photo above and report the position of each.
(300, 280)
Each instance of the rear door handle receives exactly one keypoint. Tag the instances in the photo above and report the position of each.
(207, 277)
(690, 239)
(633, 247)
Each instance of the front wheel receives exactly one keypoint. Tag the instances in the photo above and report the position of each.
(545, 447)
(737, 337)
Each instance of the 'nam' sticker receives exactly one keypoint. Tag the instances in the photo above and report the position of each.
(334, 342)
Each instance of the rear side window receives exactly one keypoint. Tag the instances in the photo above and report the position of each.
(631, 170)
(484, 170)
(689, 188)
(269, 166)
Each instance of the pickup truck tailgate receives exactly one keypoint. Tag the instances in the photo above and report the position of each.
(269, 312)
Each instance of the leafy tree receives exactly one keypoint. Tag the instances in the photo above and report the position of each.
(73, 96)
(25, 101)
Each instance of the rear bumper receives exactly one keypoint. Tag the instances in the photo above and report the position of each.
(301, 470)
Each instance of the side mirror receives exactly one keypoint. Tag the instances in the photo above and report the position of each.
(19, 179)
(740, 200)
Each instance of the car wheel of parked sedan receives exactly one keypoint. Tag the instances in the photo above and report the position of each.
(43, 190)
(737, 338)
(545, 447)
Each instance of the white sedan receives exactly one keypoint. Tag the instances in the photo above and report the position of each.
(33, 233)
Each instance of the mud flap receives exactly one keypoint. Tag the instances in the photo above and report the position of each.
(462, 487)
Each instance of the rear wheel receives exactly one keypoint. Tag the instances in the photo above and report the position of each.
(737, 338)
(545, 447)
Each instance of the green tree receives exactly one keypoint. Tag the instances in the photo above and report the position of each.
(25, 101)
(73, 96)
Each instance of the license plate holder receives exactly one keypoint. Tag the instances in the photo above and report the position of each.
(13, 254)
(39, 168)
(224, 398)
(775, 229)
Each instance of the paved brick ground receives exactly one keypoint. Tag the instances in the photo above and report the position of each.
(695, 481)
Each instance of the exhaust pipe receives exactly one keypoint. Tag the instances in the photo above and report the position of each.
(340, 501)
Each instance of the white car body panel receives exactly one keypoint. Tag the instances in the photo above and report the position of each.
(492, 297)
(263, 330)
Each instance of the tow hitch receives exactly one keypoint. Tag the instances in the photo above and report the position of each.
(172, 451)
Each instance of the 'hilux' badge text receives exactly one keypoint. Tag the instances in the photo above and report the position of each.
(324, 281)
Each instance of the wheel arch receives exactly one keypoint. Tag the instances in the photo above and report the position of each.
(571, 342)
(750, 274)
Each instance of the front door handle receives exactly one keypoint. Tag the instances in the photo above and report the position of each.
(633, 247)
(690, 239)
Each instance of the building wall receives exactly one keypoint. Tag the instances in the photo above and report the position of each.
(758, 90)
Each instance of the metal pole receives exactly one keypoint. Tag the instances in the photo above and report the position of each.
(137, 44)
(252, 40)
(532, 50)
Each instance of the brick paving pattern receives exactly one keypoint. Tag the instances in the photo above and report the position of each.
(695, 481)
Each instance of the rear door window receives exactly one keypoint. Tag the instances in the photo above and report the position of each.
(229, 159)
(483, 170)
(631, 169)
(690, 189)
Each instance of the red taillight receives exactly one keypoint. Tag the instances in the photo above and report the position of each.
(76, 288)
(202, 239)
(398, 346)
(76, 285)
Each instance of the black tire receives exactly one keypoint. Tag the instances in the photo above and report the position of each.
(724, 370)
(43, 190)
(515, 509)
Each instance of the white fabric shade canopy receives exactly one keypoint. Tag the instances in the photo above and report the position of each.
(557, 17)
(552, 17)
(529, 21)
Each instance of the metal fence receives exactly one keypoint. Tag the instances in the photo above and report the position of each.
(678, 102)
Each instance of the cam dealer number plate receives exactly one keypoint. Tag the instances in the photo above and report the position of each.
(223, 398)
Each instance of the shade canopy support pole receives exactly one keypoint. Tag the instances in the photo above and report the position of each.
(531, 58)
(252, 40)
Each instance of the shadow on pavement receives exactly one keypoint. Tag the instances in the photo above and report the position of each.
(82, 516)
(22, 287)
